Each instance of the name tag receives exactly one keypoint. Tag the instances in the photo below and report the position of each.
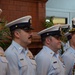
(55, 64)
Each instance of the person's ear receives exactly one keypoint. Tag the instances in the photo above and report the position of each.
(17, 34)
(48, 40)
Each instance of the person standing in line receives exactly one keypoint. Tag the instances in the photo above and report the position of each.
(4, 69)
(69, 56)
(3, 61)
(48, 60)
(17, 53)
(67, 44)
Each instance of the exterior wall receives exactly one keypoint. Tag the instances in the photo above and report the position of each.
(13, 9)
(61, 8)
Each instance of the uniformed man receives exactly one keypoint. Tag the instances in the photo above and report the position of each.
(48, 60)
(67, 44)
(19, 57)
(69, 55)
(3, 61)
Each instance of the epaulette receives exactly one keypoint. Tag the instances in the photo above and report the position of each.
(51, 53)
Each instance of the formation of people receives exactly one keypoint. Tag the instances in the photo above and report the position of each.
(18, 59)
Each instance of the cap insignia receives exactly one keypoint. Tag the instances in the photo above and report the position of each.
(47, 33)
(16, 26)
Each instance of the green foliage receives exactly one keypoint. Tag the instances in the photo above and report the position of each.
(61, 51)
(5, 38)
(48, 22)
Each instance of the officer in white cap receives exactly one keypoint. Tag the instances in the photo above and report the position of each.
(48, 60)
(69, 56)
(3, 61)
(20, 63)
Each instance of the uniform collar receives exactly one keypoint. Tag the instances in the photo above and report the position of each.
(19, 48)
(49, 51)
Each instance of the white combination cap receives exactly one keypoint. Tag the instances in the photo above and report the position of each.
(21, 23)
(53, 30)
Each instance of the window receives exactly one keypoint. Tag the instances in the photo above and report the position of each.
(57, 20)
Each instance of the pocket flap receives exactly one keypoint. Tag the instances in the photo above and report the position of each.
(55, 64)
(22, 63)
